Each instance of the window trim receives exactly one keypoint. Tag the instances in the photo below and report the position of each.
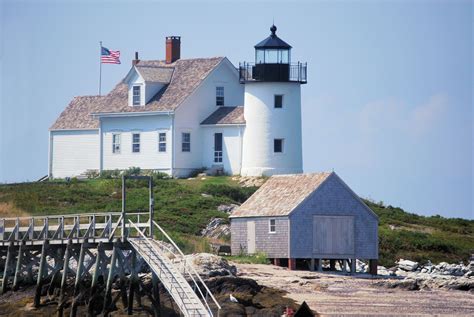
(274, 101)
(161, 142)
(182, 142)
(139, 95)
(219, 96)
(270, 226)
(119, 143)
(282, 146)
(139, 142)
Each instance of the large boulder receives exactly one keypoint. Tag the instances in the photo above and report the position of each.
(407, 265)
(209, 265)
(216, 229)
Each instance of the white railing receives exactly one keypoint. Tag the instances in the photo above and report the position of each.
(70, 226)
(188, 269)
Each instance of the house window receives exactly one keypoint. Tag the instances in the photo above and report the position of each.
(162, 142)
(136, 142)
(136, 95)
(272, 226)
(278, 145)
(278, 101)
(186, 142)
(219, 96)
(116, 143)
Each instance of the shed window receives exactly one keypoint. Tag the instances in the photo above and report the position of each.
(116, 143)
(272, 226)
(136, 142)
(186, 142)
(136, 95)
(219, 96)
(278, 101)
(278, 145)
(162, 142)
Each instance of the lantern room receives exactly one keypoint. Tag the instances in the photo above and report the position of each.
(272, 63)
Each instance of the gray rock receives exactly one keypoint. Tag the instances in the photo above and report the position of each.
(407, 265)
(209, 265)
(227, 208)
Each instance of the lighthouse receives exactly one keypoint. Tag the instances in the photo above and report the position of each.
(272, 110)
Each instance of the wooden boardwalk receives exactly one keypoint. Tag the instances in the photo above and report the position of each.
(49, 250)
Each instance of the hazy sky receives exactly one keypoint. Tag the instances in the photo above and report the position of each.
(388, 104)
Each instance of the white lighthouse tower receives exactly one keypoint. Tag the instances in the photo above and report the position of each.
(272, 110)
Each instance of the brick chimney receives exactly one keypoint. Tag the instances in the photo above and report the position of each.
(173, 49)
(136, 60)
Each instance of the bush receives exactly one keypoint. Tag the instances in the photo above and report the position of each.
(158, 175)
(109, 174)
(238, 194)
(91, 174)
(133, 171)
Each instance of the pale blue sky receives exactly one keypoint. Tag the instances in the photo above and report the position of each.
(388, 104)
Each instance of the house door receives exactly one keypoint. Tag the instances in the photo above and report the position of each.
(250, 237)
(217, 147)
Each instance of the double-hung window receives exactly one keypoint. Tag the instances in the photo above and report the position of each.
(116, 143)
(162, 142)
(219, 96)
(186, 142)
(136, 96)
(136, 142)
(272, 226)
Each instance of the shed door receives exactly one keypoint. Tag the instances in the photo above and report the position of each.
(250, 237)
(333, 235)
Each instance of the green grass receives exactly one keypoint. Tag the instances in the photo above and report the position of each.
(183, 210)
(259, 258)
(422, 238)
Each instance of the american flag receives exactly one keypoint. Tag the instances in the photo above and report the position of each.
(109, 57)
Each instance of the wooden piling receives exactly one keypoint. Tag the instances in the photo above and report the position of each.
(6, 270)
(67, 256)
(156, 295)
(41, 273)
(133, 283)
(77, 283)
(110, 280)
(18, 266)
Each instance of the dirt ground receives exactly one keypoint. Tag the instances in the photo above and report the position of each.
(342, 295)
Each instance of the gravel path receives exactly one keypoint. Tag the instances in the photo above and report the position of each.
(340, 295)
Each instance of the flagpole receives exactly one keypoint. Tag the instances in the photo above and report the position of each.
(100, 66)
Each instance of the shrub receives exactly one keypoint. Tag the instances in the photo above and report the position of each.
(238, 194)
(159, 175)
(132, 171)
(91, 174)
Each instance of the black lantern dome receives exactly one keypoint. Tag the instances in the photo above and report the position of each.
(272, 50)
(272, 62)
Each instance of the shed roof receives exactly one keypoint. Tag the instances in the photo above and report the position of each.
(77, 114)
(181, 78)
(280, 195)
(226, 115)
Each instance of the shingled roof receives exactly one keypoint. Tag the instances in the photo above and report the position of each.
(226, 115)
(187, 75)
(77, 114)
(182, 78)
(280, 195)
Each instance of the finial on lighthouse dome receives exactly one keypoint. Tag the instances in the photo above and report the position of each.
(273, 29)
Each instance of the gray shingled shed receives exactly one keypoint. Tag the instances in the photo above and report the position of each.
(304, 219)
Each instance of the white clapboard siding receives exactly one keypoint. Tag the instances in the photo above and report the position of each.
(148, 127)
(74, 152)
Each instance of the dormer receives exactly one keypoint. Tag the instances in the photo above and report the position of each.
(145, 81)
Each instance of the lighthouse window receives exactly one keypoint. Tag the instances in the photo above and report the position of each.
(136, 95)
(278, 101)
(278, 145)
(219, 96)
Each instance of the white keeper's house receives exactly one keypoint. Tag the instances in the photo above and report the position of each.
(178, 115)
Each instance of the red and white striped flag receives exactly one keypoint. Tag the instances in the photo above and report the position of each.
(109, 57)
